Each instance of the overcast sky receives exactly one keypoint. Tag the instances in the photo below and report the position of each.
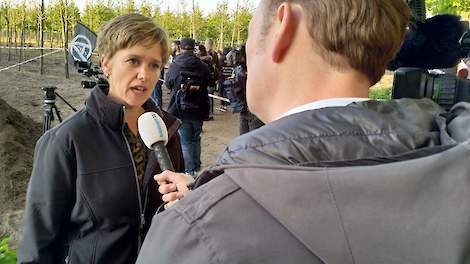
(206, 5)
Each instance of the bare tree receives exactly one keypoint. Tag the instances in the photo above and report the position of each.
(1, 32)
(23, 19)
(6, 6)
(235, 25)
(193, 22)
(64, 20)
(41, 37)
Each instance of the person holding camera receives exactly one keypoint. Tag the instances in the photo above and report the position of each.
(332, 177)
(91, 196)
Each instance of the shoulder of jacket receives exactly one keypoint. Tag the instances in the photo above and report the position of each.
(201, 200)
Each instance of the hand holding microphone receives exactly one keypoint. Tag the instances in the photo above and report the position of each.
(154, 133)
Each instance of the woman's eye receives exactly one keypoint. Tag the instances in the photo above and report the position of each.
(133, 61)
(155, 66)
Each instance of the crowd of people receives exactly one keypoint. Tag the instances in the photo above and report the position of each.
(333, 177)
(212, 71)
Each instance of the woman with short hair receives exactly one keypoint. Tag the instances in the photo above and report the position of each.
(92, 196)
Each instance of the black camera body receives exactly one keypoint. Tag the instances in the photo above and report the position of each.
(444, 89)
(435, 43)
(49, 94)
(93, 72)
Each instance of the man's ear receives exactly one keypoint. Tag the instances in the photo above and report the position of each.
(288, 23)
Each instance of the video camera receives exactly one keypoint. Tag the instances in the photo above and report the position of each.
(435, 43)
(94, 72)
(80, 53)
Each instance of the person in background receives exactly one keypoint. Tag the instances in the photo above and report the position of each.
(208, 59)
(175, 49)
(189, 101)
(248, 121)
(91, 196)
(157, 94)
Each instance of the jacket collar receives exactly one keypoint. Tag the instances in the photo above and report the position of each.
(111, 113)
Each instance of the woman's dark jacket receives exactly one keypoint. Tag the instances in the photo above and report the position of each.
(83, 200)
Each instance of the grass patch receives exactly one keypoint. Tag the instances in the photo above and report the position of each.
(382, 93)
(7, 255)
(383, 89)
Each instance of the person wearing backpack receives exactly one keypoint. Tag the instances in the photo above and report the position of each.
(188, 78)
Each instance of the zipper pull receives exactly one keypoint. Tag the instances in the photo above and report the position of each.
(142, 220)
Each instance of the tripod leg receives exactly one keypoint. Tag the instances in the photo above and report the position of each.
(57, 112)
(46, 122)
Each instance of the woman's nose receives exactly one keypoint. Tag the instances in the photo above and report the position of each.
(143, 73)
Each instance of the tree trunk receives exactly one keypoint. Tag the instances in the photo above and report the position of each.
(234, 25)
(16, 38)
(22, 42)
(64, 19)
(193, 23)
(1, 35)
(41, 37)
(51, 36)
(221, 40)
(7, 17)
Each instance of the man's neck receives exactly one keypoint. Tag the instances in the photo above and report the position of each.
(308, 88)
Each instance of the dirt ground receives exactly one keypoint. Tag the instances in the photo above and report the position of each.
(21, 115)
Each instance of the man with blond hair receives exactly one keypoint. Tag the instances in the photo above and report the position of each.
(332, 177)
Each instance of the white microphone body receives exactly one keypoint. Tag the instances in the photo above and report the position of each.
(154, 133)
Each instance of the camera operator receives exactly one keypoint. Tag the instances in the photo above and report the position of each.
(332, 177)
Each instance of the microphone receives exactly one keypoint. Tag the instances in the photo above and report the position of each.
(153, 132)
(433, 44)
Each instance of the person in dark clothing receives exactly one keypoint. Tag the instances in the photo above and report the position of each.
(209, 60)
(157, 94)
(189, 101)
(175, 49)
(91, 196)
(332, 177)
(248, 121)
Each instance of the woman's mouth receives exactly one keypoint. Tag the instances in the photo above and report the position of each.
(138, 89)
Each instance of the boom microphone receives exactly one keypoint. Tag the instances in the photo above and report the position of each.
(433, 44)
(153, 132)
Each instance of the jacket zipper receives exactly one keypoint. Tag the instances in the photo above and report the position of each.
(141, 212)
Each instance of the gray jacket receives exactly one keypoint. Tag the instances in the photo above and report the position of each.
(375, 182)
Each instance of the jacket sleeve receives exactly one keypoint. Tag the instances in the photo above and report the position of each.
(173, 240)
(49, 201)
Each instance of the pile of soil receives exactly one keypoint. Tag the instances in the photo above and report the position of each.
(18, 134)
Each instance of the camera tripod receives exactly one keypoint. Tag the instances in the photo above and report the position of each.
(49, 107)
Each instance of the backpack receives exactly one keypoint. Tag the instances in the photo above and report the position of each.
(190, 95)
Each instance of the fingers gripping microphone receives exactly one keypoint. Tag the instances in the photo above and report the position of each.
(153, 132)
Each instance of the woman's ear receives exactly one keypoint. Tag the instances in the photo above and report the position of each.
(105, 65)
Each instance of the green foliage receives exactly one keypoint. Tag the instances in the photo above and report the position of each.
(382, 93)
(224, 25)
(7, 256)
(456, 7)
